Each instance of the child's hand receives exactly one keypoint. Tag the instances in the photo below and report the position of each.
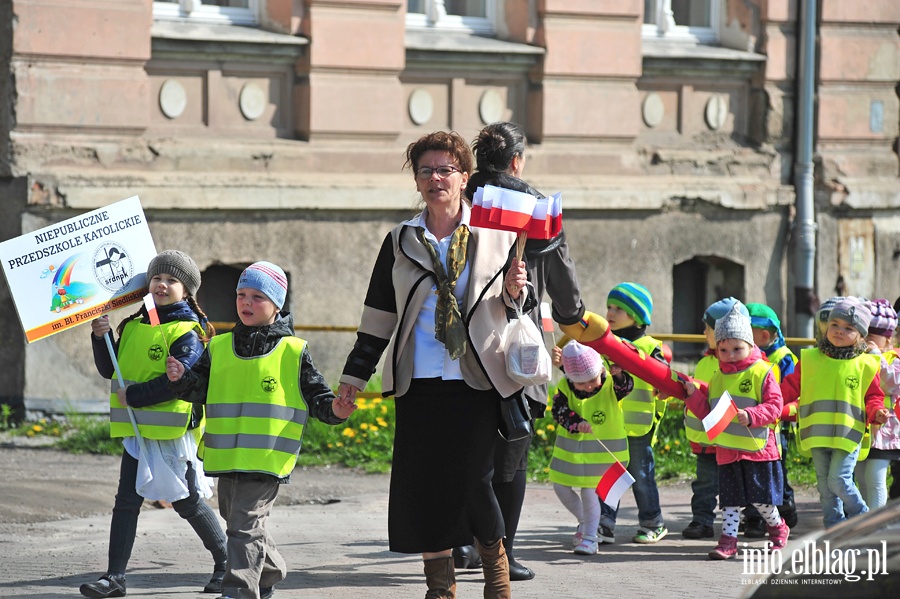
(122, 394)
(881, 415)
(343, 406)
(174, 369)
(690, 388)
(583, 427)
(743, 417)
(615, 370)
(556, 356)
(100, 326)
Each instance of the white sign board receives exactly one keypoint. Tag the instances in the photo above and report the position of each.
(74, 271)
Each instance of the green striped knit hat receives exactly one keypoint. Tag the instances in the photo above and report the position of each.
(634, 299)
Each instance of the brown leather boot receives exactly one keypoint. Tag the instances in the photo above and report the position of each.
(440, 578)
(495, 566)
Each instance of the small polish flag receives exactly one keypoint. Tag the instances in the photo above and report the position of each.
(720, 417)
(546, 318)
(613, 484)
(151, 309)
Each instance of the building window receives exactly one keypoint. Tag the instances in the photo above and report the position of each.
(473, 16)
(232, 12)
(682, 20)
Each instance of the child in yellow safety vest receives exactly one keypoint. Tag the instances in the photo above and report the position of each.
(871, 473)
(591, 435)
(836, 387)
(705, 486)
(260, 386)
(749, 470)
(167, 424)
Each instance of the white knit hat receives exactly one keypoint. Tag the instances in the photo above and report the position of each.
(735, 325)
(581, 363)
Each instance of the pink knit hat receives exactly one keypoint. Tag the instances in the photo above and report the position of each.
(581, 363)
(884, 318)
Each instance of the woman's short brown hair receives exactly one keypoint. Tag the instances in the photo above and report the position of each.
(440, 141)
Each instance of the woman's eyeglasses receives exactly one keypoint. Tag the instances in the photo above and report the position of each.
(443, 172)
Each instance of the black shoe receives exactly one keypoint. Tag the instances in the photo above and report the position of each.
(695, 530)
(519, 572)
(109, 585)
(215, 583)
(267, 592)
(755, 529)
(790, 516)
(466, 558)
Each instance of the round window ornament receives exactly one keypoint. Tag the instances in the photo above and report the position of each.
(252, 101)
(716, 112)
(421, 106)
(172, 98)
(653, 110)
(490, 107)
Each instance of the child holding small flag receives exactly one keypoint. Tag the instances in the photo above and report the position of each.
(705, 486)
(170, 323)
(591, 437)
(746, 452)
(260, 386)
(837, 389)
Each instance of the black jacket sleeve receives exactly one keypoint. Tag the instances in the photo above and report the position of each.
(316, 392)
(187, 349)
(193, 384)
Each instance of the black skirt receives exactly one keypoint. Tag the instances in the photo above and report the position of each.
(745, 481)
(441, 495)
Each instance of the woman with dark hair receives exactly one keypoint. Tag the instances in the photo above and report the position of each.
(500, 158)
(440, 293)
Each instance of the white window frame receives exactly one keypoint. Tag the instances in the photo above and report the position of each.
(436, 17)
(195, 11)
(666, 28)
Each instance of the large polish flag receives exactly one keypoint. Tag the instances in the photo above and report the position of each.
(151, 309)
(512, 210)
(613, 484)
(720, 417)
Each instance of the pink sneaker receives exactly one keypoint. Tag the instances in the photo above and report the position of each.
(778, 536)
(726, 549)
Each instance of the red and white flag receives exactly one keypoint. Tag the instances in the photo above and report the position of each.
(508, 210)
(720, 417)
(613, 484)
(546, 318)
(151, 309)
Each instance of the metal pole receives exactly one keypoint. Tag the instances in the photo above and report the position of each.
(805, 220)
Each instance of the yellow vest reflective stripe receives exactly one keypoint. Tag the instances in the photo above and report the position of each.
(255, 413)
(142, 357)
(832, 408)
(693, 426)
(578, 458)
(745, 388)
(639, 406)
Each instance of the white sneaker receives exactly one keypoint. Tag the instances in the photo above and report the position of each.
(587, 546)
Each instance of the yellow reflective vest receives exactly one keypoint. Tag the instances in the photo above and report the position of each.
(142, 356)
(693, 426)
(579, 460)
(745, 388)
(832, 407)
(640, 406)
(255, 412)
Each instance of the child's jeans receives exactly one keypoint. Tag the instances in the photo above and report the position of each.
(706, 489)
(834, 479)
(871, 478)
(642, 467)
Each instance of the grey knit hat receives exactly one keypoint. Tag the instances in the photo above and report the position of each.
(852, 310)
(735, 325)
(179, 265)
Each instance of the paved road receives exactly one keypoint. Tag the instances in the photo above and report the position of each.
(338, 549)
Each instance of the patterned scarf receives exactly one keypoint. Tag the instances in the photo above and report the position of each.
(448, 324)
(842, 353)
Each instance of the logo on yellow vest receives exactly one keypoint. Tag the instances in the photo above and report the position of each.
(269, 384)
(155, 352)
(598, 417)
(852, 382)
(745, 386)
